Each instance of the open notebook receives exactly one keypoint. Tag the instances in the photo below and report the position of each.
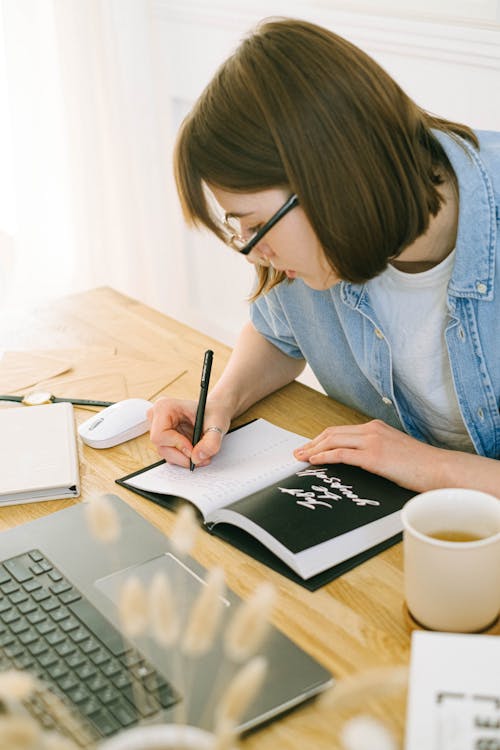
(309, 522)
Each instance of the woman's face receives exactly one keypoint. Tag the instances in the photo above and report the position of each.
(290, 246)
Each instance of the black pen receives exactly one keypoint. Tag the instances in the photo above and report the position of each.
(200, 411)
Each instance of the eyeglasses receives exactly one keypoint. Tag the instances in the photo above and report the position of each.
(235, 239)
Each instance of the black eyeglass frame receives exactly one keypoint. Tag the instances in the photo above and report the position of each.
(247, 248)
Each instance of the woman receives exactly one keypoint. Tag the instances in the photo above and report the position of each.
(373, 228)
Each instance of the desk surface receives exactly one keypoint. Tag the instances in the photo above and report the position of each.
(355, 623)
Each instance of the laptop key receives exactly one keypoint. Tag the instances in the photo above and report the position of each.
(97, 682)
(100, 626)
(13, 649)
(18, 569)
(75, 660)
(59, 614)
(79, 694)
(70, 596)
(4, 576)
(18, 596)
(24, 661)
(104, 722)
(41, 595)
(37, 569)
(26, 607)
(90, 706)
(111, 668)
(46, 626)
(6, 638)
(108, 694)
(86, 671)
(29, 636)
(61, 587)
(48, 659)
(57, 670)
(55, 637)
(123, 712)
(32, 585)
(9, 587)
(10, 615)
(20, 626)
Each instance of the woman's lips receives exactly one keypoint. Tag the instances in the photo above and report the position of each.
(290, 274)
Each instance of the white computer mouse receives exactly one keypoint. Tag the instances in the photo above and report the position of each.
(116, 423)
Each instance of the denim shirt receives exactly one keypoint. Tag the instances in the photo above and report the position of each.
(337, 331)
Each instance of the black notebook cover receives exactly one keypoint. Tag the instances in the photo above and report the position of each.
(364, 481)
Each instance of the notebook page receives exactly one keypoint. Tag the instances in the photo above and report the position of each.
(250, 458)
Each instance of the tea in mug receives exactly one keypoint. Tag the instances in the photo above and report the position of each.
(450, 535)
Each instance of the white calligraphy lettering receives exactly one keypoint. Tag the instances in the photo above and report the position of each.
(334, 483)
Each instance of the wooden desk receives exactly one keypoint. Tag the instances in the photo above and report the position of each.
(355, 623)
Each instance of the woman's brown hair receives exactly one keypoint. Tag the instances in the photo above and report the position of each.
(300, 107)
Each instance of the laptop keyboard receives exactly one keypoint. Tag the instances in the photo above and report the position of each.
(48, 628)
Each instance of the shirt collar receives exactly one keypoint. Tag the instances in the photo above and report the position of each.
(474, 269)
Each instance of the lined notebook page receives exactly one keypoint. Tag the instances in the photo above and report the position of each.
(250, 458)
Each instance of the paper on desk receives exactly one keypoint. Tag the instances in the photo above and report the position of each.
(113, 378)
(21, 370)
(454, 692)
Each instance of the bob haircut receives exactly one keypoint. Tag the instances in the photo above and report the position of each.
(298, 107)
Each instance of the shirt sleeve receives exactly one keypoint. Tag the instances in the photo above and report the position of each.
(269, 319)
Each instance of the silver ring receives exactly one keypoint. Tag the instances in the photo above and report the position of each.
(215, 429)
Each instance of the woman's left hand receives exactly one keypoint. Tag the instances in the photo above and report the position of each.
(381, 449)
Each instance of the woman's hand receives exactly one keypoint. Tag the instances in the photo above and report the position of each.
(171, 431)
(381, 449)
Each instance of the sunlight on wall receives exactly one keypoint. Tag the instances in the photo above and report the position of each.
(452, 10)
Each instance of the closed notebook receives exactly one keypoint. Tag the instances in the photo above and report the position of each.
(38, 454)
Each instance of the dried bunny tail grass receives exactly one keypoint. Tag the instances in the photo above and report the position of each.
(240, 692)
(366, 733)
(205, 615)
(225, 736)
(102, 519)
(133, 607)
(64, 717)
(19, 733)
(383, 680)
(163, 615)
(249, 624)
(185, 530)
(56, 742)
(16, 685)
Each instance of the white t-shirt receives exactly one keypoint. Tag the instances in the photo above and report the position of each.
(411, 308)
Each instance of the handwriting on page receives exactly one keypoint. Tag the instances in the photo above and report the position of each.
(322, 494)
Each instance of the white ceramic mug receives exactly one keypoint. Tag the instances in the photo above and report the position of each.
(452, 585)
(160, 737)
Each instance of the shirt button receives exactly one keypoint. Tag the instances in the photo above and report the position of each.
(386, 400)
(378, 333)
(481, 288)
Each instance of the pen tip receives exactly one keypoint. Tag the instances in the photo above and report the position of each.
(191, 466)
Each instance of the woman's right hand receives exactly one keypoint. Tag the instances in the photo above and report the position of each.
(171, 431)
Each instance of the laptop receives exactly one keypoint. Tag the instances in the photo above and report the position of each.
(59, 620)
